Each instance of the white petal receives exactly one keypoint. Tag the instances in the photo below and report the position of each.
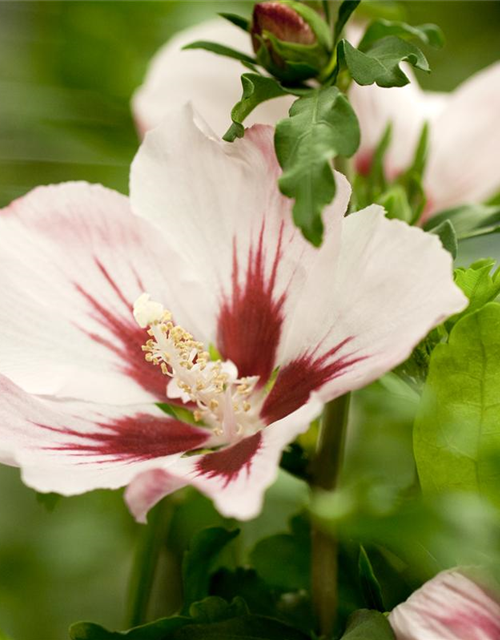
(218, 204)
(74, 447)
(463, 162)
(237, 477)
(210, 81)
(392, 284)
(448, 607)
(73, 259)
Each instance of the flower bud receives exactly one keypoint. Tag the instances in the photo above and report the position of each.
(290, 39)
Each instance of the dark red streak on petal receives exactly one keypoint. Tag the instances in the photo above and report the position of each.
(251, 317)
(298, 379)
(125, 339)
(133, 439)
(228, 463)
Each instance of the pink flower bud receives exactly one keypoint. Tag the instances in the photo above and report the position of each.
(282, 21)
(291, 40)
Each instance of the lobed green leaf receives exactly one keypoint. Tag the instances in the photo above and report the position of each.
(322, 125)
(256, 90)
(380, 64)
(479, 285)
(427, 33)
(211, 618)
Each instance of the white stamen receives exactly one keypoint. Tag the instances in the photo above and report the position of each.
(222, 399)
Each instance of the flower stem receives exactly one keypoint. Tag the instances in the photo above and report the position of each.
(152, 539)
(326, 471)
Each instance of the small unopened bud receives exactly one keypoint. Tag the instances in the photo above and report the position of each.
(282, 21)
(291, 40)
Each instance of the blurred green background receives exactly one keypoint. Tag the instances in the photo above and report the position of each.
(67, 72)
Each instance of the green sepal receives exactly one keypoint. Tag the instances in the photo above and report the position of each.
(177, 412)
(429, 34)
(347, 7)
(446, 233)
(238, 21)
(319, 27)
(256, 89)
(470, 220)
(368, 625)
(322, 125)
(457, 430)
(221, 50)
(395, 202)
(380, 64)
(299, 61)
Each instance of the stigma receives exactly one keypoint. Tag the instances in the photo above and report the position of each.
(212, 389)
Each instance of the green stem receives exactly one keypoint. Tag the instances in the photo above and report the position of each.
(326, 471)
(151, 541)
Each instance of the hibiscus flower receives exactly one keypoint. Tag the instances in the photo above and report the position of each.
(112, 306)
(464, 132)
(451, 606)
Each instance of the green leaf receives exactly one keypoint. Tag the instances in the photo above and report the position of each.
(158, 630)
(282, 562)
(478, 284)
(346, 9)
(470, 220)
(457, 430)
(199, 561)
(427, 534)
(214, 609)
(256, 89)
(381, 63)
(221, 50)
(249, 627)
(368, 625)
(205, 614)
(427, 33)
(446, 233)
(369, 583)
(238, 21)
(321, 126)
